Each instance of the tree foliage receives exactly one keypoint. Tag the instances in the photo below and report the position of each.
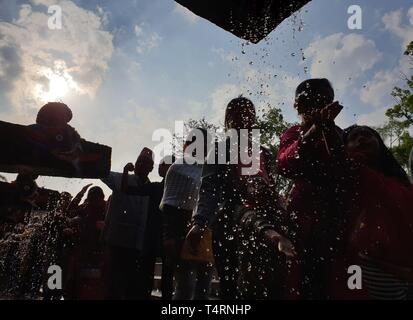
(400, 119)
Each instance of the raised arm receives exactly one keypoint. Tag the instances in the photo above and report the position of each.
(141, 189)
(74, 204)
(298, 151)
(290, 157)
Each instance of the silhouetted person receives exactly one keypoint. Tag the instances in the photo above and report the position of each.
(88, 252)
(222, 206)
(309, 154)
(124, 231)
(381, 228)
(178, 203)
(152, 242)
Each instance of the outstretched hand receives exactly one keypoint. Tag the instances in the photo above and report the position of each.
(283, 244)
(84, 189)
(329, 113)
(326, 115)
(322, 119)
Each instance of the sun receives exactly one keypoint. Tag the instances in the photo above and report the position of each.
(58, 85)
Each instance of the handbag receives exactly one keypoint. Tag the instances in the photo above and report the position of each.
(204, 253)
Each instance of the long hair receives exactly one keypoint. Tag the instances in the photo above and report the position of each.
(388, 164)
(95, 193)
(235, 108)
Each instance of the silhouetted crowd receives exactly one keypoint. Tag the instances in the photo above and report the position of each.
(207, 226)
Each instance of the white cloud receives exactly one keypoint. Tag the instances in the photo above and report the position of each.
(146, 41)
(73, 59)
(374, 119)
(393, 22)
(342, 58)
(376, 92)
(188, 15)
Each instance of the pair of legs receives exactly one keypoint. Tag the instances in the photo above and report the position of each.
(124, 278)
(193, 280)
(226, 264)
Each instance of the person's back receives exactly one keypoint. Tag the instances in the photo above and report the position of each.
(182, 185)
(181, 190)
(124, 233)
(126, 217)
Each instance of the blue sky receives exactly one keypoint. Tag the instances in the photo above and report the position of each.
(128, 67)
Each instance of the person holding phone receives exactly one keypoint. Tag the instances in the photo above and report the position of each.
(310, 154)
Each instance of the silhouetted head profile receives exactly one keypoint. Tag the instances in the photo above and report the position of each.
(365, 145)
(144, 163)
(26, 184)
(95, 194)
(54, 114)
(240, 114)
(313, 94)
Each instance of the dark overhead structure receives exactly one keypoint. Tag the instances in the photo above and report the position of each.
(251, 20)
(46, 151)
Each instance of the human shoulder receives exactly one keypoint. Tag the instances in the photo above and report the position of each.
(296, 129)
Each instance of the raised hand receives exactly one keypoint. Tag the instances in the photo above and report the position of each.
(283, 244)
(129, 167)
(329, 113)
(84, 189)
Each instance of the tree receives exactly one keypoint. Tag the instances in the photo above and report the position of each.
(402, 112)
(272, 125)
(409, 49)
(400, 116)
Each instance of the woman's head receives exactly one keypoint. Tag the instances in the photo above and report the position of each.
(144, 163)
(240, 114)
(95, 195)
(313, 94)
(366, 146)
